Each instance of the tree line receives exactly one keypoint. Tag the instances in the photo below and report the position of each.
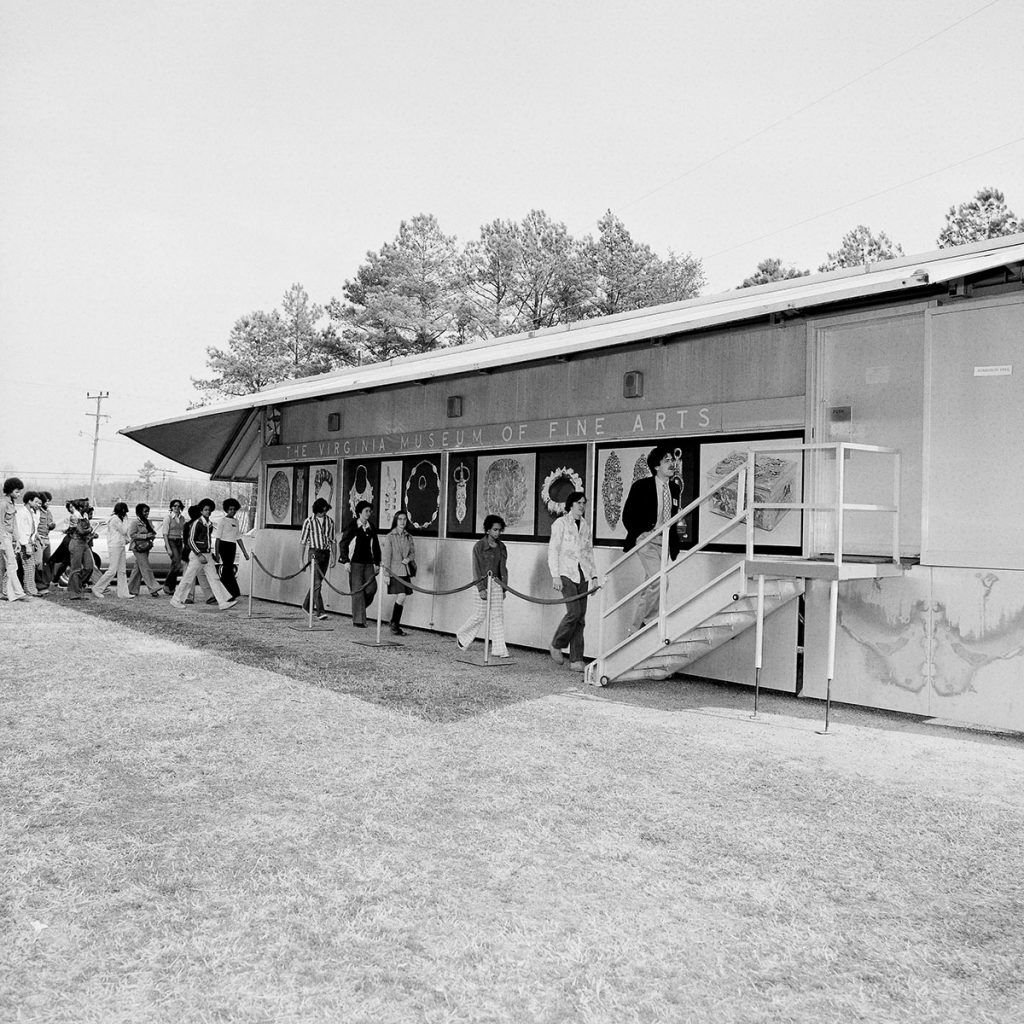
(425, 290)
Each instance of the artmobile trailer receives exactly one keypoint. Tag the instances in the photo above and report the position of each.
(851, 440)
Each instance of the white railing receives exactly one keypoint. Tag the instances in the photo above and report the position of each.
(747, 506)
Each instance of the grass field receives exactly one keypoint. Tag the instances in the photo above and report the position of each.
(203, 819)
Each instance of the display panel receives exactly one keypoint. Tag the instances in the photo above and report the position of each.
(461, 517)
(323, 480)
(421, 494)
(560, 471)
(778, 477)
(279, 496)
(361, 483)
(507, 486)
(390, 491)
(620, 466)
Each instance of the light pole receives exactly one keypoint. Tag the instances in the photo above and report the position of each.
(99, 397)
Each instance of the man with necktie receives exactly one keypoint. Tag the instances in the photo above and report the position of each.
(651, 502)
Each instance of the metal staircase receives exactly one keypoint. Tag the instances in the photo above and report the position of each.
(745, 594)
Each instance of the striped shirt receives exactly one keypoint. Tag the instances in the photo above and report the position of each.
(318, 533)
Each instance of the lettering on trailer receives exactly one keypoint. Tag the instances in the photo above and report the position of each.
(609, 426)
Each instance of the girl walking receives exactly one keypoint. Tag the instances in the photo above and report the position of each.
(141, 536)
(398, 557)
(117, 541)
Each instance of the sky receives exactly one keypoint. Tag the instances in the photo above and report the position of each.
(169, 166)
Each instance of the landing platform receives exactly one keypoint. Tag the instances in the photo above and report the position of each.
(819, 569)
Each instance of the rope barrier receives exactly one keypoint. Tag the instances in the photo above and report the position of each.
(274, 576)
(545, 600)
(425, 590)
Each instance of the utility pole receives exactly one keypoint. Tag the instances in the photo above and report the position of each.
(163, 485)
(97, 415)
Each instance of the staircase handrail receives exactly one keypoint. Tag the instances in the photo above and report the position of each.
(739, 473)
(746, 507)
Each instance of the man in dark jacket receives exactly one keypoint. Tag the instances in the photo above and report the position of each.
(651, 502)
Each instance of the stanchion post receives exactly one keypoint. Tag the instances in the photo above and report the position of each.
(312, 582)
(380, 598)
(252, 575)
(487, 624)
(758, 641)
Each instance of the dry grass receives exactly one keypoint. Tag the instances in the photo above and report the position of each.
(186, 837)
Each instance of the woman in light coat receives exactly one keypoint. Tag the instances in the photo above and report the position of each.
(117, 541)
(398, 559)
(141, 536)
(571, 563)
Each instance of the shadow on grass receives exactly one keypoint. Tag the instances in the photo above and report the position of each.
(420, 678)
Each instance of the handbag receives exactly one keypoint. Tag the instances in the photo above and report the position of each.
(143, 544)
(411, 565)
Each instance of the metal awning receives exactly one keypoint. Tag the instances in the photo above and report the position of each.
(208, 438)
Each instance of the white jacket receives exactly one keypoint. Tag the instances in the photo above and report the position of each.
(117, 532)
(571, 549)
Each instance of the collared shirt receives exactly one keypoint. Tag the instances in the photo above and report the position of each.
(7, 513)
(318, 533)
(226, 529)
(571, 549)
(26, 525)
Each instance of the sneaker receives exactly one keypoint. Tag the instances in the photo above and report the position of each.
(230, 604)
(556, 655)
(175, 604)
(322, 616)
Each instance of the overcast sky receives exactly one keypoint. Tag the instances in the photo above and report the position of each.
(166, 167)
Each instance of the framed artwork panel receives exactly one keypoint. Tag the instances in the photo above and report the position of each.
(390, 491)
(461, 512)
(778, 477)
(421, 494)
(279, 498)
(620, 466)
(323, 483)
(560, 471)
(361, 482)
(507, 486)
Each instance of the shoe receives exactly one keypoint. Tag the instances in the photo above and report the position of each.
(359, 625)
(43, 593)
(156, 593)
(168, 592)
(129, 597)
(397, 630)
(459, 644)
(556, 655)
(230, 604)
(95, 592)
(577, 666)
(503, 657)
(175, 604)
(211, 600)
(322, 616)
(191, 600)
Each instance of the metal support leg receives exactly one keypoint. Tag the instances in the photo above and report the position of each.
(833, 619)
(758, 642)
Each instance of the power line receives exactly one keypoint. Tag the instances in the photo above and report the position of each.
(864, 199)
(807, 106)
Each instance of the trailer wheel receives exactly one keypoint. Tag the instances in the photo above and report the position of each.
(605, 680)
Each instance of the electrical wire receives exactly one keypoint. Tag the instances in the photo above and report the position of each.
(807, 106)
